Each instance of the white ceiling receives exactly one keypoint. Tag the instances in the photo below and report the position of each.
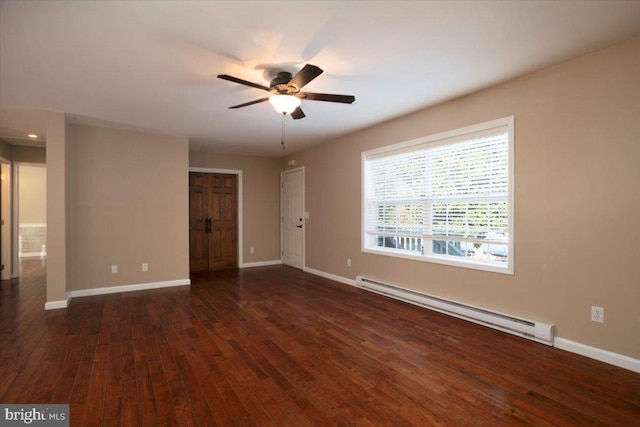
(152, 65)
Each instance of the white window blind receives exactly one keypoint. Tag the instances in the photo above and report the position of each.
(445, 198)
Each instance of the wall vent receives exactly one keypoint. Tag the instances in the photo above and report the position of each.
(532, 330)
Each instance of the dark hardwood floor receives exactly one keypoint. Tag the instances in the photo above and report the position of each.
(274, 346)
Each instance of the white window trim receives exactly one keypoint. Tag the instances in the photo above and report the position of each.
(445, 138)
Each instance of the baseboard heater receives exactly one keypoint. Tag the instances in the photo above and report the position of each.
(535, 331)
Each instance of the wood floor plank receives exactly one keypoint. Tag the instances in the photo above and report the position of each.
(274, 346)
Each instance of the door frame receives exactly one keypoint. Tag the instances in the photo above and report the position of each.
(238, 173)
(304, 213)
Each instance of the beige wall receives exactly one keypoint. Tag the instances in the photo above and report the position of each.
(577, 206)
(22, 153)
(25, 154)
(260, 200)
(5, 150)
(71, 208)
(58, 252)
(32, 188)
(131, 197)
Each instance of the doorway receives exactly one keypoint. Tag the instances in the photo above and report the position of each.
(292, 212)
(32, 210)
(213, 221)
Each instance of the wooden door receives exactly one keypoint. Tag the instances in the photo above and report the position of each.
(223, 248)
(213, 221)
(198, 223)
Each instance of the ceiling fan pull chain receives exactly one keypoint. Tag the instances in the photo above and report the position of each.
(283, 114)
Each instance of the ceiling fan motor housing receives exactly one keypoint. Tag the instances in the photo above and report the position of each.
(280, 84)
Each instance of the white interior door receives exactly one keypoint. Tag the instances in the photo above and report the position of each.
(292, 213)
(5, 221)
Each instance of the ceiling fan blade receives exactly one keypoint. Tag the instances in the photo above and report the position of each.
(329, 97)
(246, 104)
(298, 114)
(242, 82)
(304, 76)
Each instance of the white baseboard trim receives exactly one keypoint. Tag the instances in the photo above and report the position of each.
(130, 288)
(350, 282)
(606, 356)
(54, 305)
(260, 263)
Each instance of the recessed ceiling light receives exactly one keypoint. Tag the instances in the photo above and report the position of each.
(32, 135)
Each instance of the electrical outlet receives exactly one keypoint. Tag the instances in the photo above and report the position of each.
(597, 314)
(348, 262)
(251, 250)
(145, 266)
(114, 269)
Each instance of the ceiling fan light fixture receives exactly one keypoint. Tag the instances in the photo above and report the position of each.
(284, 104)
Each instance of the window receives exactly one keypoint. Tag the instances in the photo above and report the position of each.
(446, 198)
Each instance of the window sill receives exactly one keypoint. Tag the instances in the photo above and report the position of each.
(493, 268)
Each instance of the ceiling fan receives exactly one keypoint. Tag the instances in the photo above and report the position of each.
(285, 91)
